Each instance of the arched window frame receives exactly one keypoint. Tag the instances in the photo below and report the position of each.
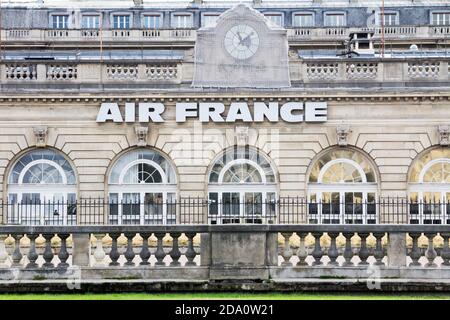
(429, 202)
(321, 211)
(238, 202)
(142, 203)
(143, 161)
(41, 203)
(243, 161)
(43, 161)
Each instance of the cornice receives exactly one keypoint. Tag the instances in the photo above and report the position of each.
(186, 97)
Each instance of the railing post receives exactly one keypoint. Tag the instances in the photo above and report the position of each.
(272, 249)
(396, 250)
(205, 249)
(81, 249)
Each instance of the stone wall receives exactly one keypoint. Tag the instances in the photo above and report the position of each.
(390, 131)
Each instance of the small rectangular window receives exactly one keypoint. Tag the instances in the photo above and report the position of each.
(335, 20)
(152, 21)
(182, 21)
(303, 20)
(390, 19)
(90, 22)
(60, 21)
(121, 22)
(209, 19)
(440, 18)
(275, 18)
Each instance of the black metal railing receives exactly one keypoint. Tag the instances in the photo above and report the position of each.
(203, 211)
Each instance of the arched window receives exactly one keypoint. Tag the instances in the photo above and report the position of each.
(142, 189)
(429, 188)
(42, 189)
(242, 188)
(342, 188)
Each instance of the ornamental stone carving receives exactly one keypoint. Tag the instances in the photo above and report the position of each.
(241, 134)
(40, 134)
(342, 133)
(444, 135)
(141, 135)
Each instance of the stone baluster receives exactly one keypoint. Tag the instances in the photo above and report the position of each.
(3, 252)
(190, 252)
(63, 254)
(445, 253)
(302, 252)
(129, 253)
(175, 253)
(430, 253)
(348, 251)
(415, 250)
(145, 252)
(378, 253)
(159, 253)
(48, 252)
(333, 253)
(99, 252)
(287, 252)
(363, 251)
(17, 255)
(114, 254)
(32, 254)
(317, 252)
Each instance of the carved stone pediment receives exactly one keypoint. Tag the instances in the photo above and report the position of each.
(243, 49)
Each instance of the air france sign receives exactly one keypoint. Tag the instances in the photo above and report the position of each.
(293, 112)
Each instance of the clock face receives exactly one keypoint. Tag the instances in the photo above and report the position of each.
(241, 42)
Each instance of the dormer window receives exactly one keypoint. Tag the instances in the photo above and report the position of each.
(121, 21)
(303, 19)
(90, 21)
(440, 18)
(335, 19)
(209, 19)
(60, 21)
(390, 18)
(182, 20)
(152, 21)
(276, 18)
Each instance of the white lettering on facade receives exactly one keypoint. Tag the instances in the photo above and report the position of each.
(292, 112)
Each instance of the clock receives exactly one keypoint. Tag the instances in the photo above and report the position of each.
(241, 42)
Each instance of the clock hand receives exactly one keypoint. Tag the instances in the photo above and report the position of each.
(239, 36)
(245, 42)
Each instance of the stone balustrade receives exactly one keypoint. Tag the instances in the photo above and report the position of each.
(311, 72)
(246, 252)
(95, 35)
(170, 35)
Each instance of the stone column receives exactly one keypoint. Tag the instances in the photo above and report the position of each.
(81, 251)
(396, 250)
(272, 249)
(205, 249)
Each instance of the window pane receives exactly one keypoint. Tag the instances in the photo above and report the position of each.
(152, 21)
(90, 22)
(121, 22)
(209, 20)
(182, 21)
(60, 21)
(335, 20)
(275, 18)
(303, 20)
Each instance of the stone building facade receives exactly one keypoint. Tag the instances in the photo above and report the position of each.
(343, 130)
